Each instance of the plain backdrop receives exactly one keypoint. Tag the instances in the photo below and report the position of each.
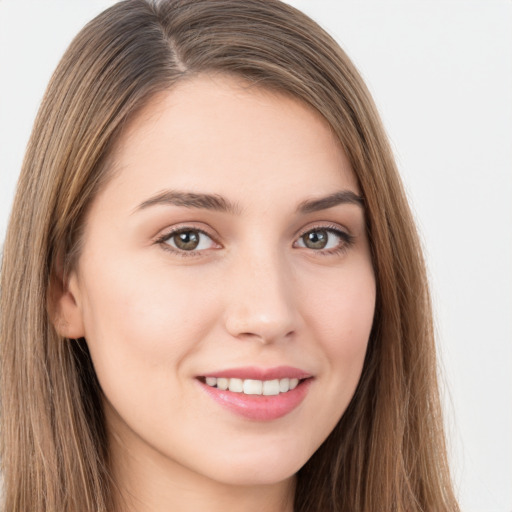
(441, 75)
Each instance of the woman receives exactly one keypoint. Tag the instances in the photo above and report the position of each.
(221, 301)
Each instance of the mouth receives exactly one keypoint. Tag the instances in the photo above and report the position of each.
(253, 386)
(256, 394)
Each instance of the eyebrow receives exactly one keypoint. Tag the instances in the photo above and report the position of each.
(324, 203)
(219, 203)
(191, 200)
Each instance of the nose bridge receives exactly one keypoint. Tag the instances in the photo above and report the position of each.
(262, 296)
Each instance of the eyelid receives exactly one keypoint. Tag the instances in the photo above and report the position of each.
(328, 226)
(347, 239)
(164, 236)
(343, 233)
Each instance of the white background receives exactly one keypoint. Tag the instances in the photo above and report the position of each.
(441, 74)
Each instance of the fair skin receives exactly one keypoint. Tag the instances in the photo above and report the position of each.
(257, 279)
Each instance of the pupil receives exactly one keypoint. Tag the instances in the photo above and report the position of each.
(188, 240)
(316, 239)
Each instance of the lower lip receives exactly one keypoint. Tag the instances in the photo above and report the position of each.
(260, 407)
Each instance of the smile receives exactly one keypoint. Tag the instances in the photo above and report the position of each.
(252, 386)
(258, 394)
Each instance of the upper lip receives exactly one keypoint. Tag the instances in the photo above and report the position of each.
(258, 373)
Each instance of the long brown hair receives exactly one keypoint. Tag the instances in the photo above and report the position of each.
(388, 451)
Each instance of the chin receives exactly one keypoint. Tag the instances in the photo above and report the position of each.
(251, 477)
(261, 470)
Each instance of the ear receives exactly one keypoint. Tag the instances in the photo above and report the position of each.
(65, 307)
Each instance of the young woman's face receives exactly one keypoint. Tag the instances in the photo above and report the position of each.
(229, 250)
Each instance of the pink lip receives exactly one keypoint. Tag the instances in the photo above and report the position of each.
(260, 407)
(253, 372)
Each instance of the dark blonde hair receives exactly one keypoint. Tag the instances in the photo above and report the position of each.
(388, 451)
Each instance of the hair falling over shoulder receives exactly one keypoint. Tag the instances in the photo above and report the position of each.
(388, 451)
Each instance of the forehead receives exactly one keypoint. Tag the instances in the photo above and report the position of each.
(217, 134)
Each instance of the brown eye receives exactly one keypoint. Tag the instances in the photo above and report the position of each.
(189, 240)
(186, 240)
(325, 239)
(316, 239)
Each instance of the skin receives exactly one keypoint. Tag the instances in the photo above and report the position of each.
(252, 294)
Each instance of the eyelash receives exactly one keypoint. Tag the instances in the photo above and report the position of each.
(162, 241)
(347, 240)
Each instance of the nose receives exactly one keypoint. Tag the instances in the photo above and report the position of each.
(261, 300)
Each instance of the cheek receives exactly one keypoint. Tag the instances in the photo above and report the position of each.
(341, 317)
(138, 320)
(342, 309)
(143, 329)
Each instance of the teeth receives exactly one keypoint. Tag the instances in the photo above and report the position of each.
(223, 383)
(236, 385)
(211, 381)
(253, 387)
(271, 387)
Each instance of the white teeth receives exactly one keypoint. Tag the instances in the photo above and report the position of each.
(236, 385)
(271, 387)
(222, 383)
(211, 381)
(284, 385)
(252, 386)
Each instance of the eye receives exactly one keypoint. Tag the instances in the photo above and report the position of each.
(325, 239)
(188, 240)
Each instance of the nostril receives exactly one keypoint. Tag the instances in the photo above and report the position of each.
(265, 336)
(253, 324)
